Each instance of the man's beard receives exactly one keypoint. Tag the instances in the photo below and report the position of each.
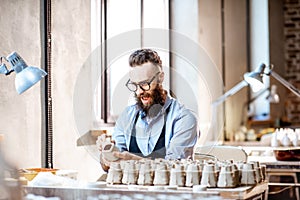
(158, 97)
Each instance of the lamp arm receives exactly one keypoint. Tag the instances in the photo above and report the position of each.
(9, 71)
(258, 95)
(230, 92)
(3, 68)
(285, 83)
(250, 101)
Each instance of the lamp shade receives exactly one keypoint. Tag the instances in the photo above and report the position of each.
(28, 77)
(255, 78)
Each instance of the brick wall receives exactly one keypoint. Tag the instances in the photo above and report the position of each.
(292, 56)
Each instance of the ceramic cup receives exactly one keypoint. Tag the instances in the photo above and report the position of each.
(237, 174)
(161, 174)
(209, 176)
(107, 151)
(115, 174)
(258, 172)
(130, 174)
(177, 177)
(193, 175)
(226, 177)
(263, 172)
(248, 175)
(146, 173)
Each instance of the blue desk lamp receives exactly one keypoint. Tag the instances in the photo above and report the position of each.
(26, 76)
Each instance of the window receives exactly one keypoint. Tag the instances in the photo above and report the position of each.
(118, 28)
(259, 52)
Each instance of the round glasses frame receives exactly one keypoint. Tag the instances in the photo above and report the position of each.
(145, 85)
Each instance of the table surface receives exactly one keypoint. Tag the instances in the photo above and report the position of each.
(264, 154)
(272, 163)
(244, 192)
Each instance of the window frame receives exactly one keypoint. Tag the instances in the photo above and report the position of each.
(103, 103)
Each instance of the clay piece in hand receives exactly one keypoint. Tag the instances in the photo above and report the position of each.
(107, 151)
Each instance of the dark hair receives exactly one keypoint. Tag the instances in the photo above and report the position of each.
(142, 56)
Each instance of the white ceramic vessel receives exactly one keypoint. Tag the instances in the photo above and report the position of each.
(161, 174)
(248, 174)
(177, 175)
(209, 176)
(193, 175)
(107, 151)
(145, 176)
(130, 173)
(115, 174)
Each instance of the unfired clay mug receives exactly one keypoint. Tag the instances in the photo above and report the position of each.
(114, 175)
(177, 177)
(161, 174)
(209, 176)
(146, 173)
(130, 174)
(248, 175)
(193, 175)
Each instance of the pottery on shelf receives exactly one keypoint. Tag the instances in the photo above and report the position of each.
(286, 141)
(274, 139)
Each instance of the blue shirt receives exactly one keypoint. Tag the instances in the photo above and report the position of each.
(181, 129)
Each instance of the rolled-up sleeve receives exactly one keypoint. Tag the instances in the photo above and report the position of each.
(122, 129)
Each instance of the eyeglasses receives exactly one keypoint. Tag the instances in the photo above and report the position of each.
(145, 85)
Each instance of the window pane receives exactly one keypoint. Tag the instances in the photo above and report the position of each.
(122, 18)
(156, 16)
(124, 34)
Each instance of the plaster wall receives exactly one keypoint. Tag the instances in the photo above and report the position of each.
(20, 115)
(71, 49)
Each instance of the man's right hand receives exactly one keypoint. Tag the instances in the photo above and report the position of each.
(125, 155)
(102, 139)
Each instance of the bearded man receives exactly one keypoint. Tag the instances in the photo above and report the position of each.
(157, 126)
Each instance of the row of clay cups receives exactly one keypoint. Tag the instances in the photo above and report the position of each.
(232, 175)
(154, 164)
(157, 172)
(162, 175)
(143, 174)
(157, 163)
(211, 175)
